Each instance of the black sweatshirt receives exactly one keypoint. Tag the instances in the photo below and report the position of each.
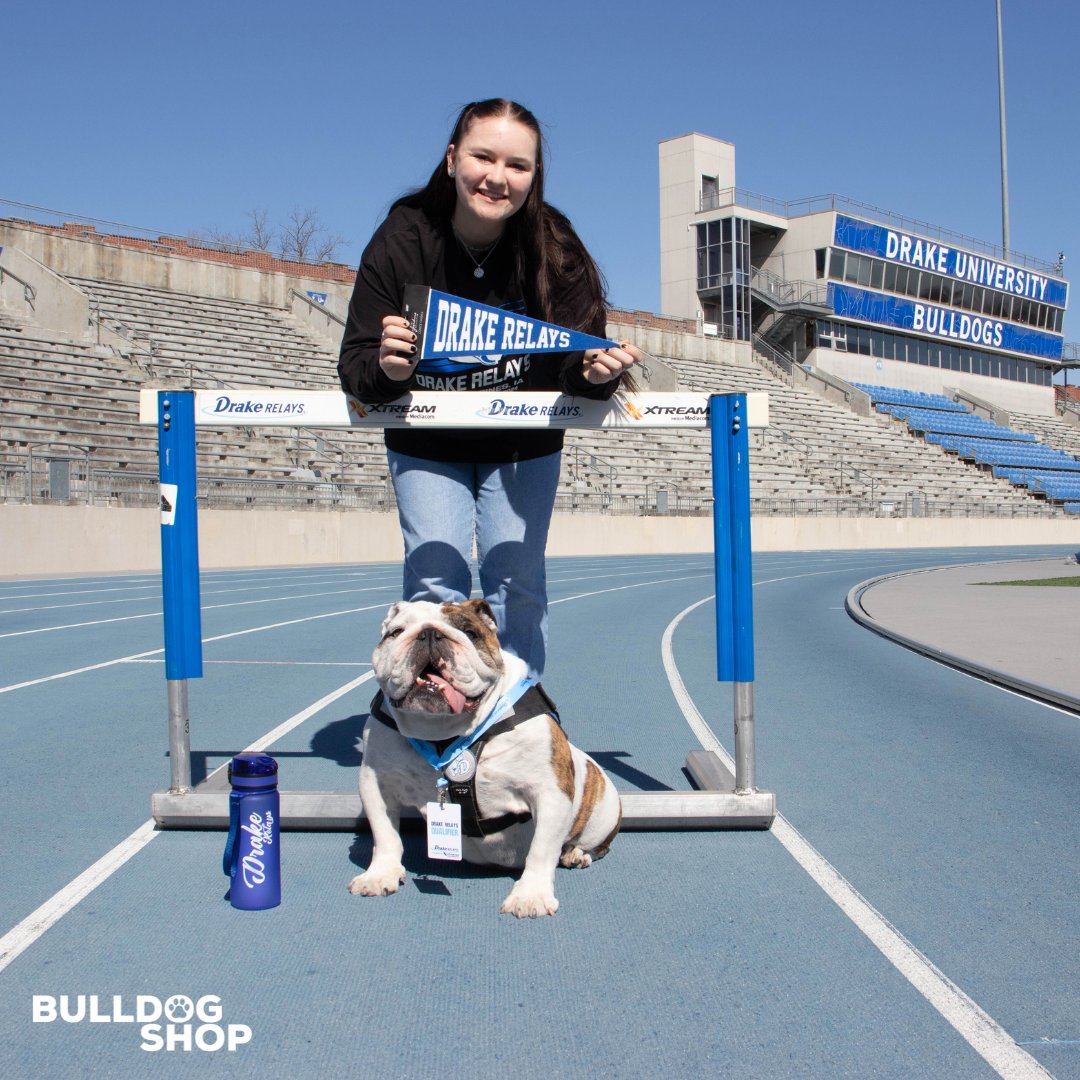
(411, 249)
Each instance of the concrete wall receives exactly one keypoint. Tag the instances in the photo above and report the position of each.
(91, 256)
(680, 346)
(683, 162)
(796, 258)
(325, 319)
(44, 541)
(53, 304)
(32, 291)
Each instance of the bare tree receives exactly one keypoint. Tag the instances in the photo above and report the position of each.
(260, 235)
(227, 241)
(304, 238)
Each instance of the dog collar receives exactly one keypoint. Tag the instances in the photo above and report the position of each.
(439, 760)
(534, 701)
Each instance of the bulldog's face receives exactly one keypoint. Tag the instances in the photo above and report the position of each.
(436, 664)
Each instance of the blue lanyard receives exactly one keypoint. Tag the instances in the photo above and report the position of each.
(503, 706)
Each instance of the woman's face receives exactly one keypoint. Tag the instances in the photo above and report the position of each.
(494, 165)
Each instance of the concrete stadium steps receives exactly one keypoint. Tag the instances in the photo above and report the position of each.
(240, 341)
(1052, 431)
(813, 452)
(32, 360)
(828, 443)
(192, 340)
(61, 393)
(207, 341)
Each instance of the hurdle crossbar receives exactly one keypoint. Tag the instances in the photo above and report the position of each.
(724, 798)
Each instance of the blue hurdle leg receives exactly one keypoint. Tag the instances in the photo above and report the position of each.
(734, 583)
(179, 570)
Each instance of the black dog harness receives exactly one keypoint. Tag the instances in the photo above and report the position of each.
(534, 702)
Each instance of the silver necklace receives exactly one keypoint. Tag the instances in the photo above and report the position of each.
(478, 272)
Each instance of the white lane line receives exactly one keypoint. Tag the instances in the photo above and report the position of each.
(272, 736)
(21, 937)
(79, 625)
(78, 671)
(268, 663)
(204, 607)
(982, 1032)
(271, 626)
(622, 588)
(154, 652)
(207, 589)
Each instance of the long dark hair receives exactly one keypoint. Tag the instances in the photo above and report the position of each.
(560, 279)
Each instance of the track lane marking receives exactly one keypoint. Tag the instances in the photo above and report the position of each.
(987, 1037)
(980, 1030)
(155, 652)
(17, 940)
(204, 607)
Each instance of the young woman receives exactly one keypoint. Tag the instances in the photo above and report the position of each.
(479, 229)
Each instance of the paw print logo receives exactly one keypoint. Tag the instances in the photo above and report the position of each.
(179, 1009)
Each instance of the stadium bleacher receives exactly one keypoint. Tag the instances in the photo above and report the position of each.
(816, 457)
(915, 399)
(1010, 454)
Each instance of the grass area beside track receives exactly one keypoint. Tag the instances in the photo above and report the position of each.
(1074, 582)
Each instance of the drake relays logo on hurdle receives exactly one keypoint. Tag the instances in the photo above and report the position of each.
(492, 345)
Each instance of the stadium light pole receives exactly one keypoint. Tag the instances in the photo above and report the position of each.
(1004, 148)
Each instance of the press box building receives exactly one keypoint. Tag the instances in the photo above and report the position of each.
(852, 290)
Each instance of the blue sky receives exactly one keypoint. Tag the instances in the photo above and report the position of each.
(185, 117)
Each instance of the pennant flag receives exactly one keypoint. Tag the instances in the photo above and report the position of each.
(449, 326)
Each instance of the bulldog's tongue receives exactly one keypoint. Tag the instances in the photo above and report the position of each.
(454, 698)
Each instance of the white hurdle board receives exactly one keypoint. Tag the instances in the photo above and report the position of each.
(439, 409)
(723, 800)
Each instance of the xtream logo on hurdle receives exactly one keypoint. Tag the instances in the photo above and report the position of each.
(175, 1023)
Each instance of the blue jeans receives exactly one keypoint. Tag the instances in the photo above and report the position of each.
(507, 507)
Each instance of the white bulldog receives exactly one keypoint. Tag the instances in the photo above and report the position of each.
(536, 801)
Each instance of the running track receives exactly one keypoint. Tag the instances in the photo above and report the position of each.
(913, 912)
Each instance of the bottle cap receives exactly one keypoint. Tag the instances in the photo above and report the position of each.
(253, 771)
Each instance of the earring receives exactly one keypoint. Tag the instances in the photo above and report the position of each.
(450, 173)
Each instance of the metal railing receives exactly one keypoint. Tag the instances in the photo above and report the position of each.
(106, 487)
(199, 377)
(774, 360)
(911, 506)
(322, 309)
(14, 484)
(29, 292)
(784, 291)
(583, 464)
(49, 216)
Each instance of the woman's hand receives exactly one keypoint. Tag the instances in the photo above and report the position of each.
(603, 365)
(397, 348)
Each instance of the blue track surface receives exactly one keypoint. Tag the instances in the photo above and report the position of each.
(948, 805)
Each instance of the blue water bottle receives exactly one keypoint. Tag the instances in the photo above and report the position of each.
(253, 851)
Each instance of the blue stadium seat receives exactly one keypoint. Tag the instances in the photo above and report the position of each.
(891, 395)
(1016, 456)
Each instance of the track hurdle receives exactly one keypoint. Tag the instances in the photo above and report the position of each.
(724, 799)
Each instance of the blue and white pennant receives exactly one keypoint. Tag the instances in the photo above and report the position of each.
(448, 327)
